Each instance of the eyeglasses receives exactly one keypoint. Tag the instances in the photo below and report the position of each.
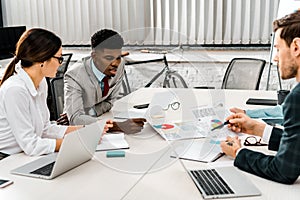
(60, 59)
(252, 141)
(175, 106)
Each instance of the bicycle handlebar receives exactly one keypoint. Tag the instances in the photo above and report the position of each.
(142, 62)
(155, 52)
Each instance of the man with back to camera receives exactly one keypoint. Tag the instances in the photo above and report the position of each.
(91, 86)
(284, 167)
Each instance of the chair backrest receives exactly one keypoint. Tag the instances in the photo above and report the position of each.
(243, 73)
(57, 92)
(125, 88)
(64, 66)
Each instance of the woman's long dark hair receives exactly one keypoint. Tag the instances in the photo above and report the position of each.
(35, 45)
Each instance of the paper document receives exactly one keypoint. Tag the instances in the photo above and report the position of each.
(182, 122)
(208, 112)
(181, 130)
(206, 120)
(113, 142)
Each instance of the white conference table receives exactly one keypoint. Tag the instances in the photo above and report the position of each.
(146, 172)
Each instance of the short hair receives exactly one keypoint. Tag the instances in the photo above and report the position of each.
(290, 25)
(107, 39)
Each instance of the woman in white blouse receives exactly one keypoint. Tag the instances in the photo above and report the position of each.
(24, 115)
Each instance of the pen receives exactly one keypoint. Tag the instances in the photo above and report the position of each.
(220, 126)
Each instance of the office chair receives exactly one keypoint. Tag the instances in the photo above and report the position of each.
(64, 66)
(60, 73)
(243, 73)
(125, 86)
(57, 93)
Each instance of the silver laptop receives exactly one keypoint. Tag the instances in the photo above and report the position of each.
(224, 182)
(77, 147)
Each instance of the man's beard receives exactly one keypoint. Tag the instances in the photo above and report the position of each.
(290, 72)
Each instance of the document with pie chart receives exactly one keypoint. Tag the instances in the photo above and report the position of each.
(205, 120)
(185, 122)
(182, 130)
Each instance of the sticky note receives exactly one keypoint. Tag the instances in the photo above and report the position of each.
(111, 154)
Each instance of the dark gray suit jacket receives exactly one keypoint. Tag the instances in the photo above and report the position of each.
(284, 167)
(83, 94)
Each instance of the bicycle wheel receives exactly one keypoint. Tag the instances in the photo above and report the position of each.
(174, 80)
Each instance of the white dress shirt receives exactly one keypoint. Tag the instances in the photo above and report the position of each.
(24, 117)
(267, 133)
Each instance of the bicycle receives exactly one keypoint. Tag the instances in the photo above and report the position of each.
(172, 77)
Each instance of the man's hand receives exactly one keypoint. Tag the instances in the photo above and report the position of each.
(63, 120)
(109, 124)
(230, 146)
(129, 126)
(237, 110)
(242, 123)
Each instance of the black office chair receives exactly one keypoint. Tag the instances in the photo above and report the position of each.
(60, 73)
(243, 73)
(64, 66)
(57, 93)
(125, 86)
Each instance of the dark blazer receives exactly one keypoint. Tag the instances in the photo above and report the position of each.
(284, 167)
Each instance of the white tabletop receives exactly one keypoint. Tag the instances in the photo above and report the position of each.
(146, 172)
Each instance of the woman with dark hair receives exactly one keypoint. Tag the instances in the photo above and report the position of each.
(24, 115)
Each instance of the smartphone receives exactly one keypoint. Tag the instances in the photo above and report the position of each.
(4, 183)
(141, 106)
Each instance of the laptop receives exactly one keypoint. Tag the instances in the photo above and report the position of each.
(77, 148)
(223, 182)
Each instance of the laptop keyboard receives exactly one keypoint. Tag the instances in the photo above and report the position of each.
(45, 170)
(211, 182)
